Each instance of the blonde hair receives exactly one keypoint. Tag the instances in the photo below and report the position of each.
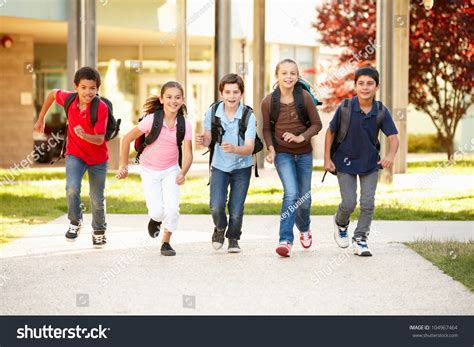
(284, 61)
(153, 102)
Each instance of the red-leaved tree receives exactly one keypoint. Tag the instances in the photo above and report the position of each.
(441, 56)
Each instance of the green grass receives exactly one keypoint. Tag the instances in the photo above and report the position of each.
(454, 258)
(37, 196)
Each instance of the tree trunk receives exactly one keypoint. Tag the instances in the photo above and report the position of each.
(449, 141)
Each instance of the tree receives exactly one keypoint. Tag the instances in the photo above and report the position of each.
(441, 59)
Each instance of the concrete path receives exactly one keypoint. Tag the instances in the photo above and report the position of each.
(41, 273)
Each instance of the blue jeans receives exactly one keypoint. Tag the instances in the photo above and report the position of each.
(239, 181)
(295, 173)
(75, 170)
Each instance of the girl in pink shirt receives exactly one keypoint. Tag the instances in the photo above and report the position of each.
(159, 169)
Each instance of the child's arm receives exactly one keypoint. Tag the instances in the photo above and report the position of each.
(204, 139)
(94, 139)
(125, 151)
(39, 125)
(328, 163)
(387, 161)
(246, 149)
(187, 161)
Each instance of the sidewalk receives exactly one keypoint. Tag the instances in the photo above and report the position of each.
(44, 274)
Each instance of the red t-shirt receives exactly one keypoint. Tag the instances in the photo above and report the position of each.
(91, 154)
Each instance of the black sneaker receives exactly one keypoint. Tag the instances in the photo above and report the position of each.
(98, 239)
(218, 239)
(167, 250)
(233, 246)
(154, 228)
(73, 232)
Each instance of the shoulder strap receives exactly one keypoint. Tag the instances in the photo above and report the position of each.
(345, 120)
(274, 112)
(299, 105)
(69, 100)
(180, 132)
(244, 122)
(155, 129)
(94, 109)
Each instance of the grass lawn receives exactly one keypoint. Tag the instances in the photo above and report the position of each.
(37, 196)
(454, 258)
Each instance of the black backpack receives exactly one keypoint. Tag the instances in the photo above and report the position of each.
(299, 104)
(113, 125)
(339, 137)
(143, 141)
(217, 131)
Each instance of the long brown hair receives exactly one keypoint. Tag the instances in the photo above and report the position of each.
(153, 102)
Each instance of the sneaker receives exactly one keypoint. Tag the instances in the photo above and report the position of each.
(154, 228)
(218, 239)
(73, 232)
(167, 250)
(306, 239)
(341, 235)
(284, 249)
(98, 239)
(233, 246)
(361, 248)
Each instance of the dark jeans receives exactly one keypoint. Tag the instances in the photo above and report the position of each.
(239, 181)
(75, 170)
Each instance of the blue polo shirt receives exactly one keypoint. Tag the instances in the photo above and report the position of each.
(228, 162)
(357, 154)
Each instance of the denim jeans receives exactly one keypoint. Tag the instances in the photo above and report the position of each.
(239, 181)
(295, 173)
(348, 188)
(75, 170)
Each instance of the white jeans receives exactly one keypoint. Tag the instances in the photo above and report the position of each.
(162, 195)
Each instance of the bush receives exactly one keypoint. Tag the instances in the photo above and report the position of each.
(425, 143)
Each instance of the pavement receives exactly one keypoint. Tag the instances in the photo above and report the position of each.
(42, 274)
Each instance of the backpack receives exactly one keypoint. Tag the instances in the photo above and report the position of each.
(142, 141)
(339, 137)
(217, 131)
(113, 125)
(299, 104)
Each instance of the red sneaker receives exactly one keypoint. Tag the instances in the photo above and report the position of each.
(284, 249)
(306, 239)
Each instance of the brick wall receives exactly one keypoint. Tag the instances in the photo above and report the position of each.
(16, 120)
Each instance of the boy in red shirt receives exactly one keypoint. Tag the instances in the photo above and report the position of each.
(86, 150)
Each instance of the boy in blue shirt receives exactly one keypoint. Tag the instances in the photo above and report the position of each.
(232, 160)
(358, 155)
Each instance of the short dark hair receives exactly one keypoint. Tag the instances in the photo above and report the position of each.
(367, 70)
(232, 78)
(87, 73)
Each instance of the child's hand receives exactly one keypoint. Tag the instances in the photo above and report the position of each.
(199, 139)
(180, 179)
(386, 162)
(227, 147)
(289, 137)
(79, 131)
(270, 158)
(39, 125)
(122, 173)
(329, 165)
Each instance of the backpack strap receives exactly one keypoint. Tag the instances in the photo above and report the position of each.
(274, 112)
(299, 105)
(154, 131)
(95, 109)
(67, 104)
(180, 132)
(216, 131)
(244, 122)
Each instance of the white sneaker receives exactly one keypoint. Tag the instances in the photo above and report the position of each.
(360, 247)
(341, 235)
(306, 239)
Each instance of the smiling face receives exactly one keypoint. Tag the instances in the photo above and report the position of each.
(366, 87)
(287, 75)
(87, 90)
(172, 100)
(231, 95)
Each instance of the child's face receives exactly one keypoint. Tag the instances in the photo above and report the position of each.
(87, 90)
(287, 75)
(172, 100)
(366, 88)
(231, 95)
